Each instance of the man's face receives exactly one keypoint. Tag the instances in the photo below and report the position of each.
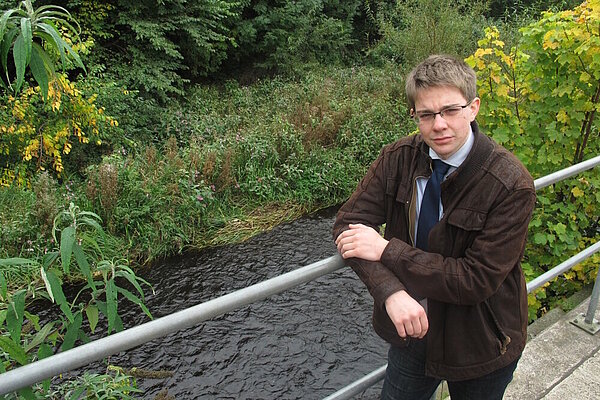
(445, 135)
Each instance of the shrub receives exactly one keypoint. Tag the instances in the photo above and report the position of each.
(539, 101)
(40, 136)
(74, 252)
(417, 28)
(26, 31)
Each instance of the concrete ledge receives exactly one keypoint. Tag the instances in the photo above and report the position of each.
(582, 384)
(558, 362)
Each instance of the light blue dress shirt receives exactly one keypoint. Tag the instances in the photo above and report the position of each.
(454, 161)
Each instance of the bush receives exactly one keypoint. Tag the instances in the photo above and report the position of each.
(538, 100)
(285, 36)
(417, 28)
(38, 135)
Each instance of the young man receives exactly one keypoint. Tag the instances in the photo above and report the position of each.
(449, 296)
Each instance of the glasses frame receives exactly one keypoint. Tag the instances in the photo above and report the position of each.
(417, 119)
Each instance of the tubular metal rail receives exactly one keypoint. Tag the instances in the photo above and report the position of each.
(82, 355)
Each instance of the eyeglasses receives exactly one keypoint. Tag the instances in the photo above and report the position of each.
(448, 113)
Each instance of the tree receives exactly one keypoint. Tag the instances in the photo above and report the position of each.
(157, 46)
(540, 99)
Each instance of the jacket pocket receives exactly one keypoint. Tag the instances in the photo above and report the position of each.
(398, 189)
(466, 219)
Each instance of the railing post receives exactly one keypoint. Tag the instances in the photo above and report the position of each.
(586, 321)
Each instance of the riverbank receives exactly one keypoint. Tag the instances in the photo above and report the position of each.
(241, 160)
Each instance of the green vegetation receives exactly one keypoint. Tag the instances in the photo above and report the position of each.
(200, 125)
(539, 99)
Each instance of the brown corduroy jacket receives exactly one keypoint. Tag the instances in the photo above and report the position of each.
(471, 275)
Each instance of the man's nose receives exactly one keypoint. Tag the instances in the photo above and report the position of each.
(439, 122)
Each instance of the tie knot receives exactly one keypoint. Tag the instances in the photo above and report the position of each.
(440, 168)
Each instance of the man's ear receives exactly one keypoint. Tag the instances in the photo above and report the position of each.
(474, 107)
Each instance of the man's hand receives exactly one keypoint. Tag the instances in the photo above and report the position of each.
(361, 241)
(407, 314)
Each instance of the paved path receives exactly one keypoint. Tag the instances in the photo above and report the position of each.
(562, 362)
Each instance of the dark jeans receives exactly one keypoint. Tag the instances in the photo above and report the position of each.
(405, 378)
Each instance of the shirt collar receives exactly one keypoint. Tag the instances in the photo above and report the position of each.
(461, 154)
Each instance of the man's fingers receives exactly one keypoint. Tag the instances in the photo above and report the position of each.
(356, 226)
(345, 246)
(401, 330)
(424, 325)
(417, 330)
(344, 235)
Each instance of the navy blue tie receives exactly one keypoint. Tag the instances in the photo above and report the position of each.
(430, 206)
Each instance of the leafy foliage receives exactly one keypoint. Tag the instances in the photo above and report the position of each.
(156, 48)
(540, 100)
(78, 253)
(37, 135)
(26, 31)
(414, 29)
(285, 36)
(234, 151)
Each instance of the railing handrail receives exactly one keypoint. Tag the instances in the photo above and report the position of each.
(98, 349)
(82, 355)
(565, 173)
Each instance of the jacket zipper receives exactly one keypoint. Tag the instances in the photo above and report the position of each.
(412, 210)
(502, 337)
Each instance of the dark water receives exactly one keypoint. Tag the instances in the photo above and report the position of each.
(303, 344)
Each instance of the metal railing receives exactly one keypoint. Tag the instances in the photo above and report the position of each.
(85, 354)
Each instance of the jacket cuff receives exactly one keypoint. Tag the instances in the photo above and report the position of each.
(393, 251)
(385, 290)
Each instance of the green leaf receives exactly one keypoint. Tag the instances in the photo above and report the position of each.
(560, 228)
(134, 299)
(3, 288)
(47, 283)
(76, 394)
(72, 332)
(55, 40)
(40, 337)
(4, 25)
(39, 70)
(111, 304)
(20, 57)
(27, 37)
(540, 238)
(55, 288)
(45, 351)
(49, 259)
(118, 324)
(27, 393)
(7, 42)
(15, 351)
(83, 337)
(133, 279)
(7, 262)
(90, 222)
(67, 238)
(33, 319)
(14, 315)
(91, 312)
(83, 264)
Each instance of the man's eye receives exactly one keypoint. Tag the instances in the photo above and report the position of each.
(425, 116)
(451, 111)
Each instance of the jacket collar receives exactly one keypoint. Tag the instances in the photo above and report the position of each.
(483, 147)
(473, 164)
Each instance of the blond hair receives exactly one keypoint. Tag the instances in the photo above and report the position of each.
(441, 70)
